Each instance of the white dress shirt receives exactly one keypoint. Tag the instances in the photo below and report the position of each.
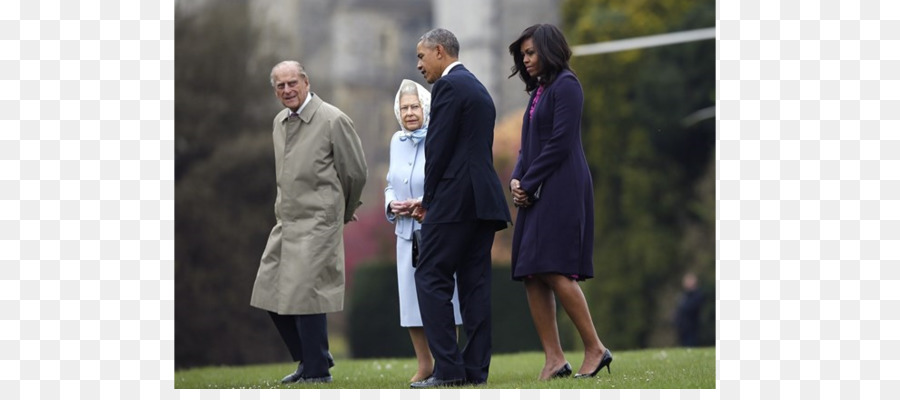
(449, 67)
(302, 106)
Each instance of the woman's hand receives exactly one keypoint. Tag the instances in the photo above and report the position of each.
(520, 197)
(401, 208)
(408, 208)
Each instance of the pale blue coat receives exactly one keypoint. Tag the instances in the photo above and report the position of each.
(406, 180)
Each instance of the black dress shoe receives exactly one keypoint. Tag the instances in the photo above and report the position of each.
(321, 379)
(563, 372)
(295, 376)
(604, 362)
(433, 382)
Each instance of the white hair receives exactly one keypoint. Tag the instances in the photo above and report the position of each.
(413, 88)
(296, 65)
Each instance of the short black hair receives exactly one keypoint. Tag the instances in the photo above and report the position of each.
(552, 50)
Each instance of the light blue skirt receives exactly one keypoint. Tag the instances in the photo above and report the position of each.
(406, 285)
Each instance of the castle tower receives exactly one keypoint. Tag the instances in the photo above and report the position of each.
(485, 28)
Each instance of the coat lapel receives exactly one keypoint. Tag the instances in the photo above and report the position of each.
(310, 109)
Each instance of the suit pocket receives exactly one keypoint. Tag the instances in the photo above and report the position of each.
(453, 170)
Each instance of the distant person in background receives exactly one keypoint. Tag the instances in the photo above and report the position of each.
(687, 315)
(320, 172)
(405, 185)
(551, 186)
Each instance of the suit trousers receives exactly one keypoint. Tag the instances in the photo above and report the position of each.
(306, 337)
(463, 248)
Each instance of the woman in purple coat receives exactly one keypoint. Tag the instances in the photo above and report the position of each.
(551, 186)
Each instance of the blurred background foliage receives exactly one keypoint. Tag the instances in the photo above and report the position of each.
(653, 168)
(654, 172)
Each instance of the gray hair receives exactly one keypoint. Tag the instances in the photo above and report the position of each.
(443, 37)
(294, 64)
(409, 87)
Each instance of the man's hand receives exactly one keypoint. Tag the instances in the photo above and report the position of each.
(417, 211)
(354, 218)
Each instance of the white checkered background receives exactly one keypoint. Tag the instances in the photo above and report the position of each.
(809, 193)
(808, 199)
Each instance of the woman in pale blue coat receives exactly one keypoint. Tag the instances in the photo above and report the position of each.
(405, 182)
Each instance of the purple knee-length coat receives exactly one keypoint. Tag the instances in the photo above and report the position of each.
(556, 233)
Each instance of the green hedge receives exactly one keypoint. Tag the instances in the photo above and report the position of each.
(374, 316)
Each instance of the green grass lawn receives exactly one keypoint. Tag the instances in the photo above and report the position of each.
(640, 369)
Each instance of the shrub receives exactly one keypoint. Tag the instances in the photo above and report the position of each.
(374, 316)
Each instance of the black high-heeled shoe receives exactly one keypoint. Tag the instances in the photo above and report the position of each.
(563, 372)
(604, 362)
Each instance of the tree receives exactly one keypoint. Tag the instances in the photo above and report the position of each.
(645, 162)
(213, 48)
(224, 189)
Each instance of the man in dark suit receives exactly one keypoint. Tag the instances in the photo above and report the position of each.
(463, 206)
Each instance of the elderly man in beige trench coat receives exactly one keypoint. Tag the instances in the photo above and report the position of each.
(320, 171)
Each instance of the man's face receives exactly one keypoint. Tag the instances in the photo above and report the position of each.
(290, 87)
(429, 62)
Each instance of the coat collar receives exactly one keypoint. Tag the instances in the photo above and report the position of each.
(451, 67)
(307, 113)
(311, 108)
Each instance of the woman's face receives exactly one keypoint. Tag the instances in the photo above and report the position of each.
(411, 112)
(530, 58)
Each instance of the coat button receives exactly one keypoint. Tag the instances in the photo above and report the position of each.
(410, 163)
(406, 181)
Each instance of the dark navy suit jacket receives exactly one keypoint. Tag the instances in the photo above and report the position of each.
(461, 183)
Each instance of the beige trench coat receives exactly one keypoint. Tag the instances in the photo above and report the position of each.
(320, 171)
